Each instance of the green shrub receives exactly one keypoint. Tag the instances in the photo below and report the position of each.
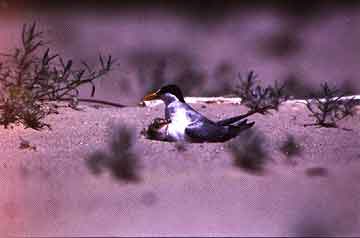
(30, 79)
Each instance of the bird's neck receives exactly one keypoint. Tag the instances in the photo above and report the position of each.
(173, 108)
(169, 98)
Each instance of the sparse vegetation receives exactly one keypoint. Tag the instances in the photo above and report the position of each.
(248, 152)
(290, 147)
(121, 160)
(31, 76)
(257, 98)
(330, 108)
(316, 172)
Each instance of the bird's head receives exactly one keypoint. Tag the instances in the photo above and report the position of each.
(168, 93)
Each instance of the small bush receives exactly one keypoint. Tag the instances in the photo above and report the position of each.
(121, 160)
(330, 108)
(30, 79)
(257, 98)
(248, 152)
(290, 147)
(316, 172)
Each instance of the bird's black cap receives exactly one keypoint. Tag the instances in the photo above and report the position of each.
(172, 89)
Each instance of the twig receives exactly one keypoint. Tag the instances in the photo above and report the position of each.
(90, 100)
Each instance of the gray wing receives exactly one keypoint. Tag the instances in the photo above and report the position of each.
(196, 116)
(231, 120)
(191, 113)
(204, 130)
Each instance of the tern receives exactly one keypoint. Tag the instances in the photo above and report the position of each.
(182, 123)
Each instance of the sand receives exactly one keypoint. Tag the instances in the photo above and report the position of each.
(48, 189)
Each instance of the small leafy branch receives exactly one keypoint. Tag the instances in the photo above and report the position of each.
(258, 99)
(28, 81)
(330, 108)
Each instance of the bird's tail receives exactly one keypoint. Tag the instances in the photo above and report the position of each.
(234, 129)
(236, 119)
(241, 125)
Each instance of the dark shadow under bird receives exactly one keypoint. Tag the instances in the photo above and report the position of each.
(183, 123)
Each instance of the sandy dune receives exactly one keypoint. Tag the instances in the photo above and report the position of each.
(50, 191)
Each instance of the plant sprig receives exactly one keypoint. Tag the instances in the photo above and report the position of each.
(330, 107)
(30, 79)
(257, 98)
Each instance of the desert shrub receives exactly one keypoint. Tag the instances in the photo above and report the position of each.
(330, 107)
(290, 147)
(248, 152)
(121, 160)
(31, 77)
(316, 172)
(257, 98)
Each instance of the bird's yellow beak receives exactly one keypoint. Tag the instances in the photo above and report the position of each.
(151, 96)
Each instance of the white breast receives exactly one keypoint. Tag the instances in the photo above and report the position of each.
(179, 121)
